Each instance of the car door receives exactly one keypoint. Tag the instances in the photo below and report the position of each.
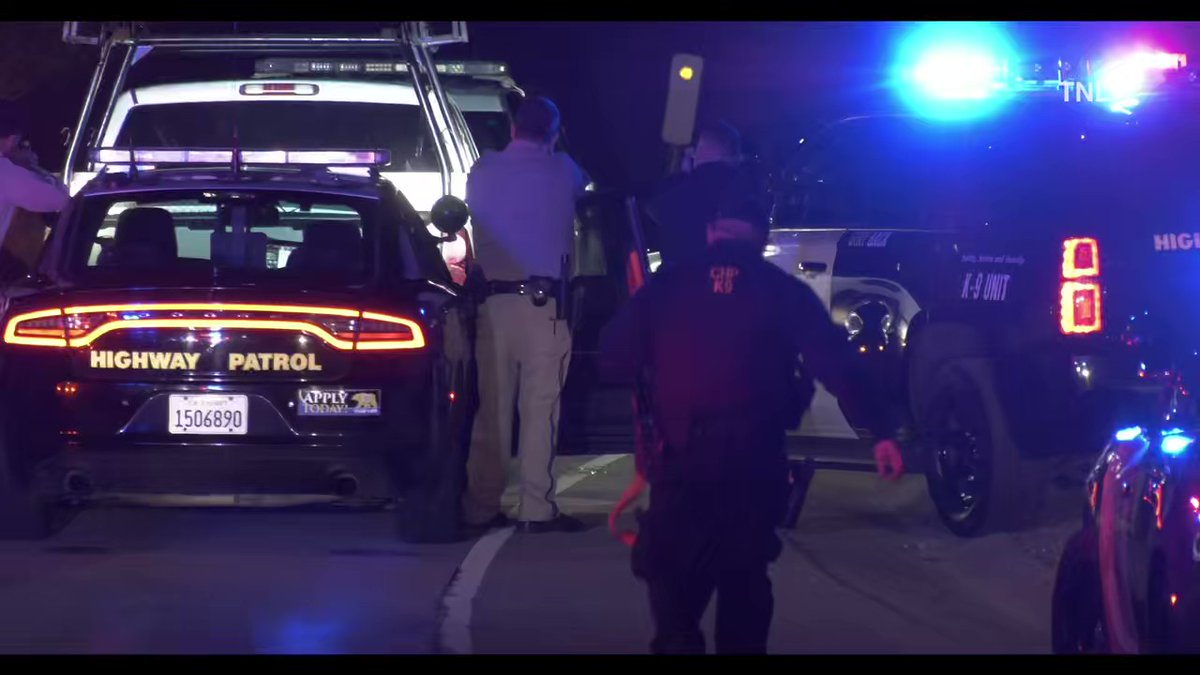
(610, 260)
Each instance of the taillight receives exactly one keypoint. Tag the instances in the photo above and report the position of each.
(43, 328)
(380, 331)
(1080, 307)
(1080, 291)
(344, 329)
(1081, 258)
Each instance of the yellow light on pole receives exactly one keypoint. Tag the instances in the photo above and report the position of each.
(683, 97)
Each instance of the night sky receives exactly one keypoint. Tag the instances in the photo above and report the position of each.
(772, 80)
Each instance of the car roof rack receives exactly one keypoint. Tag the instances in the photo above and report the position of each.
(124, 43)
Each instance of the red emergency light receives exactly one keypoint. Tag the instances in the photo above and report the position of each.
(278, 88)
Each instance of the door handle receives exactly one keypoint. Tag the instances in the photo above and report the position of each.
(813, 267)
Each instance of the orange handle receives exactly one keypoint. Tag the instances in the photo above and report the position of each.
(635, 490)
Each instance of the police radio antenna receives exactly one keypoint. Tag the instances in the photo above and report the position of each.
(236, 158)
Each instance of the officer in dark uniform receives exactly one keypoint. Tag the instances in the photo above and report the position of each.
(684, 201)
(718, 340)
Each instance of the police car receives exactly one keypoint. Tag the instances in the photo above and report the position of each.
(1012, 252)
(237, 322)
(1127, 580)
(310, 91)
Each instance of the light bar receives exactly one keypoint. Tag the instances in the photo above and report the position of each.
(284, 66)
(960, 70)
(339, 157)
(126, 156)
(161, 156)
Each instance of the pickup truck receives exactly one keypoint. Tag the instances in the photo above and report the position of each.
(1021, 281)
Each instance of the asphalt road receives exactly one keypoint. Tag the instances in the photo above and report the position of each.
(868, 570)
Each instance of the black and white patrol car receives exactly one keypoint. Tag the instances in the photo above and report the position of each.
(237, 322)
(1021, 279)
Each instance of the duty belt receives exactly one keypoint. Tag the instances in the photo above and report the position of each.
(539, 289)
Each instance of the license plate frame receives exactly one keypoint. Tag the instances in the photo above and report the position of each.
(235, 423)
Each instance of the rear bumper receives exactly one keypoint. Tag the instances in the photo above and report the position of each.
(222, 469)
(118, 437)
(1067, 401)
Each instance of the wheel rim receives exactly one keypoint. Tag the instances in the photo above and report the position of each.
(960, 465)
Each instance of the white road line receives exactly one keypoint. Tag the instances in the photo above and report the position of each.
(455, 632)
(458, 602)
(585, 470)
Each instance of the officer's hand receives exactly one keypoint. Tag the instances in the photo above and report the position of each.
(888, 460)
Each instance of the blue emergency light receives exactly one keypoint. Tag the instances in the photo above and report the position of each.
(1129, 434)
(954, 70)
(1176, 443)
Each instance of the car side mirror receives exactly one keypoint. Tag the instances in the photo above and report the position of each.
(449, 215)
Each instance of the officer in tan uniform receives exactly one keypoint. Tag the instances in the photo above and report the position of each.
(522, 202)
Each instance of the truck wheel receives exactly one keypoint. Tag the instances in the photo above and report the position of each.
(430, 511)
(975, 474)
(1077, 611)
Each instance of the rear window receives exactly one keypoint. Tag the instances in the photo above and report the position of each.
(234, 237)
(317, 125)
(491, 130)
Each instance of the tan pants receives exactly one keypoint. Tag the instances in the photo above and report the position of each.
(522, 354)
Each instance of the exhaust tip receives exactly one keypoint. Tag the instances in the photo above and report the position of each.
(344, 484)
(77, 483)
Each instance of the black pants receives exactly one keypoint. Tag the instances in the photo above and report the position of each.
(701, 538)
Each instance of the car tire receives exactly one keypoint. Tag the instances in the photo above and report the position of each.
(430, 511)
(1077, 610)
(24, 512)
(976, 476)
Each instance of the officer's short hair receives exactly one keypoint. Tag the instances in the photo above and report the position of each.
(12, 120)
(723, 135)
(537, 120)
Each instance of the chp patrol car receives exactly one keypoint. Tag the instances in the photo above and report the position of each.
(1013, 254)
(237, 322)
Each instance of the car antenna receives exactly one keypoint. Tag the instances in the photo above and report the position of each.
(237, 154)
(236, 159)
(133, 168)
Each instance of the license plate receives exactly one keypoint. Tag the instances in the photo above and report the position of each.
(211, 414)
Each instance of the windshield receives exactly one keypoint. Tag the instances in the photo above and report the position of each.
(400, 129)
(238, 237)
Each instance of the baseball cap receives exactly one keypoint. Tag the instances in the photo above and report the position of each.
(537, 118)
